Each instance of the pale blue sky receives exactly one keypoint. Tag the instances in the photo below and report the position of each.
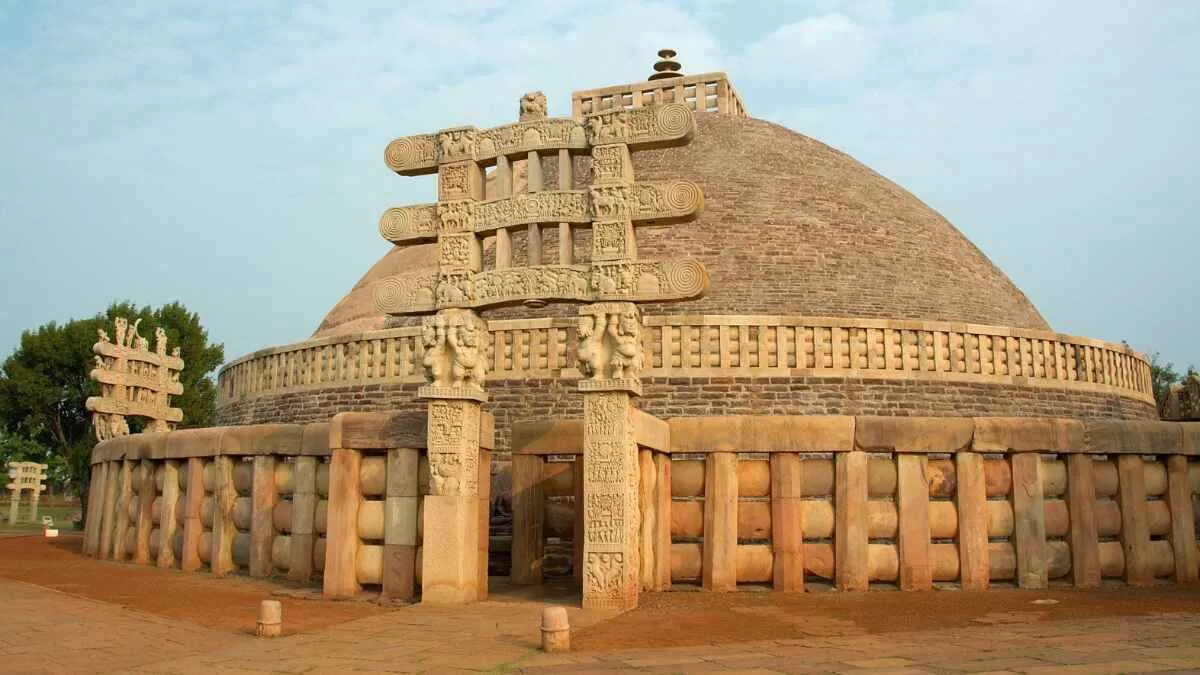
(230, 155)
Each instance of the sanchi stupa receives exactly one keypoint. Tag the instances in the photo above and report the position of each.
(662, 342)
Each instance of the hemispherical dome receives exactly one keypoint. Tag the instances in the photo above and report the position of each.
(790, 226)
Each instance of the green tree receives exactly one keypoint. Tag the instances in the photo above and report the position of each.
(44, 383)
(1162, 376)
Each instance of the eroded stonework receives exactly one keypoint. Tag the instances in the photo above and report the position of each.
(134, 381)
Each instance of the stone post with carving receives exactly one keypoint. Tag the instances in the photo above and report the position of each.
(610, 358)
(454, 363)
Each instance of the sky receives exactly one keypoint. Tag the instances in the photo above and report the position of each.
(230, 155)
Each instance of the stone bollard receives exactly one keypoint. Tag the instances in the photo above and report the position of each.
(556, 632)
(270, 619)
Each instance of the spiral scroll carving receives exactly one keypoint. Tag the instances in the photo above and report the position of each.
(673, 119)
(686, 277)
(395, 223)
(684, 196)
(392, 292)
(409, 151)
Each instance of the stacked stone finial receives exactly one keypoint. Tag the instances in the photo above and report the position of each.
(134, 381)
(666, 67)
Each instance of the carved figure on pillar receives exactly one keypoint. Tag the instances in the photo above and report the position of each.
(455, 358)
(610, 346)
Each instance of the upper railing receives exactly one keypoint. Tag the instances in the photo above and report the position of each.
(720, 346)
(707, 92)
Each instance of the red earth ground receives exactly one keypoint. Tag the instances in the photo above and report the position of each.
(693, 618)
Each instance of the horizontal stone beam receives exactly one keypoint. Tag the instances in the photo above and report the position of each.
(642, 203)
(628, 281)
(913, 434)
(649, 127)
(116, 351)
(1027, 434)
(256, 439)
(101, 404)
(106, 376)
(816, 433)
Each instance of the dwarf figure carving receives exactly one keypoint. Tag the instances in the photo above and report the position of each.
(468, 368)
(626, 331)
(590, 348)
(433, 338)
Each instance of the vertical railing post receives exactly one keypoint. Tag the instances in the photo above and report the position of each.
(787, 537)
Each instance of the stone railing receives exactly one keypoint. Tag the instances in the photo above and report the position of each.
(342, 500)
(721, 346)
(858, 501)
(707, 92)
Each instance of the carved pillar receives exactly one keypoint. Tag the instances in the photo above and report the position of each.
(610, 357)
(455, 364)
(449, 565)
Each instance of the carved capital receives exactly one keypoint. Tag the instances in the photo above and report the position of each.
(610, 346)
(455, 357)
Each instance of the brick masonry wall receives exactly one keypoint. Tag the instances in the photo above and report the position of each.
(531, 400)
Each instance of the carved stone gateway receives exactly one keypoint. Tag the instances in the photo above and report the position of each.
(612, 281)
(25, 477)
(134, 381)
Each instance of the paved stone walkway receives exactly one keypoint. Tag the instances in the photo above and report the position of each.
(44, 631)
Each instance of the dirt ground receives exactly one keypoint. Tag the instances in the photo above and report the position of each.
(697, 618)
(222, 604)
(694, 618)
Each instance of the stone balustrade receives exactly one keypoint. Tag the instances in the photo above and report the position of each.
(706, 92)
(858, 501)
(721, 346)
(340, 500)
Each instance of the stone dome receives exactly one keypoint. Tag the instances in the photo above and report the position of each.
(790, 226)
